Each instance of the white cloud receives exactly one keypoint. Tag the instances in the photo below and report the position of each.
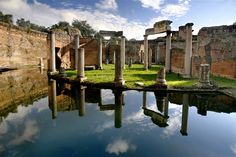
(120, 146)
(107, 5)
(174, 122)
(30, 131)
(99, 19)
(176, 10)
(154, 4)
(233, 148)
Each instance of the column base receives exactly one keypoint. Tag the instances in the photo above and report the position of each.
(100, 68)
(186, 76)
(81, 79)
(119, 83)
(161, 85)
(204, 85)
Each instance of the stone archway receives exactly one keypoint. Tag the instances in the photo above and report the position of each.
(158, 27)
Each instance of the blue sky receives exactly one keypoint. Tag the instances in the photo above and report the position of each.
(130, 16)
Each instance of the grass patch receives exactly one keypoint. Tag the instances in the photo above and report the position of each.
(137, 74)
(223, 82)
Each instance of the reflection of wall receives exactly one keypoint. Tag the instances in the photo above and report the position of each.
(21, 87)
(207, 102)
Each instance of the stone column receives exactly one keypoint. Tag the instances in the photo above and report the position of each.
(184, 126)
(119, 81)
(100, 54)
(188, 51)
(80, 72)
(53, 53)
(168, 48)
(122, 49)
(146, 52)
(52, 97)
(204, 79)
(158, 55)
(150, 58)
(114, 57)
(76, 51)
(41, 65)
(161, 78)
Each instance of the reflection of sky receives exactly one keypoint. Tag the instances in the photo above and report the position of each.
(32, 132)
(120, 146)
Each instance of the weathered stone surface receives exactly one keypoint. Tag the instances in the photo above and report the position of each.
(177, 60)
(21, 87)
(217, 46)
(20, 47)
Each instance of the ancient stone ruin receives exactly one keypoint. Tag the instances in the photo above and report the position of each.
(180, 51)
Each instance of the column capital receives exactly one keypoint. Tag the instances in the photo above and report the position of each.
(168, 32)
(189, 24)
(145, 35)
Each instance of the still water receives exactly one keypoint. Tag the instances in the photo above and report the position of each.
(78, 121)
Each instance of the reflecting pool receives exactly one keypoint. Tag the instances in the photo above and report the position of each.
(78, 121)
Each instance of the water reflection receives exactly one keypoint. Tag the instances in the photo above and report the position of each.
(23, 86)
(52, 97)
(117, 107)
(184, 126)
(75, 97)
(162, 105)
(87, 121)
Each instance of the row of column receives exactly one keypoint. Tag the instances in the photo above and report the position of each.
(80, 59)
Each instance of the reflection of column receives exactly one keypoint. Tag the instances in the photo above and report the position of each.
(80, 73)
(100, 54)
(80, 100)
(53, 53)
(122, 50)
(184, 125)
(144, 99)
(76, 51)
(146, 52)
(119, 81)
(188, 51)
(168, 48)
(166, 107)
(52, 97)
(118, 108)
(161, 101)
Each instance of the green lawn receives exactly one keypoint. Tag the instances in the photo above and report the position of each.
(137, 74)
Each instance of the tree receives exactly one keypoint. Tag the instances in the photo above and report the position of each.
(22, 23)
(7, 18)
(28, 25)
(63, 25)
(85, 29)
